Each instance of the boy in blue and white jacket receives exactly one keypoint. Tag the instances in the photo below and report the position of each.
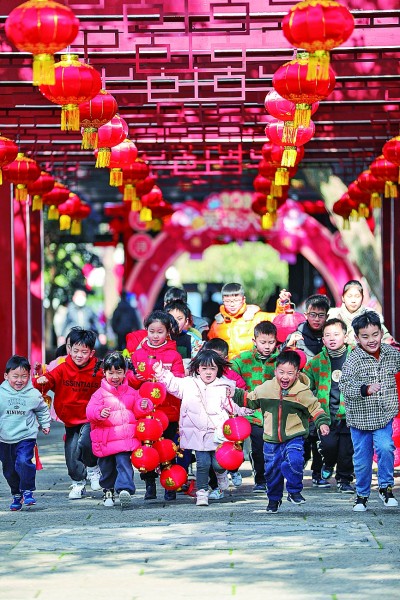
(22, 410)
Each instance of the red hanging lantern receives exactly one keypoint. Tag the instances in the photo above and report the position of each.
(81, 213)
(144, 186)
(145, 458)
(137, 171)
(43, 185)
(262, 184)
(8, 153)
(161, 211)
(75, 83)
(122, 155)
(150, 201)
(318, 26)
(388, 172)
(367, 182)
(21, 172)
(287, 322)
(42, 27)
(274, 132)
(391, 151)
(109, 135)
(94, 114)
(162, 417)
(154, 390)
(58, 195)
(166, 450)
(273, 153)
(229, 455)
(285, 110)
(345, 207)
(140, 412)
(173, 477)
(148, 430)
(290, 81)
(361, 197)
(236, 429)
(67, 210)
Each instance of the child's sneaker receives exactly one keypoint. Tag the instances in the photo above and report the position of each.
(259, 488)
(386, 495)
(223, 481)
(296, 498)
(125, 499)
(273, 506)
(77, 491)
(16, 504)
(108, 498)
(169, 495)
(345, 488)
(216, 494)
(360, 504)
(326, 472)
(93, 476)
(320, 482)
(28, 498)
(201, 498)
(236, 479)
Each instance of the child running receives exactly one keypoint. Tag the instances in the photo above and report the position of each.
(22, 410)
(204, 409)
(111, 415)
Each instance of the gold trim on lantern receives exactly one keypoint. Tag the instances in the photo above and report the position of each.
(289, 133)
(21, 192)
(70, 117)
(136, 205)
(89, 138)
(302, 115)
(318, 65)
(130, 193)
(53, 214)
(116, 177)
(276, 190)
(346, 224)
(390, 189)
(289, 156)
(376, 200)
(103, 157)
(76, 227)
(363, 211)
(43, 71)
(282, 176)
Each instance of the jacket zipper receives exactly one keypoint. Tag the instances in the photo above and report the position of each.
(280, 418)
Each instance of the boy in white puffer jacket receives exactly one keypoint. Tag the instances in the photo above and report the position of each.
(206, 404)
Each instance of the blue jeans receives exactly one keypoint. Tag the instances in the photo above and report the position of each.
(364, 442)
(284, 461)
(117, 472)
(18, 468)
(204, 460)
(78, 451)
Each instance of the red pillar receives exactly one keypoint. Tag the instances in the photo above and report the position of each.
(391, 264)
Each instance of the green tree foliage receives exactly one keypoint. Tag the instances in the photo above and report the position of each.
(254, 264)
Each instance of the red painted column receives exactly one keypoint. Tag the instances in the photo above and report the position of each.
(21, 280)
(7, 312)
(391, 264)
(36, 286)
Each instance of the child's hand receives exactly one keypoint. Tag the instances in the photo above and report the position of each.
(373, 388)
(42, 380)
(46, 430)
(294, 338)
(144, 404)
(324, 429)
(158, 368)
(37, 368)
(105, 412)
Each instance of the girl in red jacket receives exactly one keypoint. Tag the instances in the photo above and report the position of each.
(158, 346)
(110, 412)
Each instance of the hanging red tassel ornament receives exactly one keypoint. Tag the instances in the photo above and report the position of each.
(59, 194)
(42, 27)
(8, 153)
(43, 185)
(109, 135)
(318, 26)
(122, 156)
(75, 83)
(21, 172)
(94, 114)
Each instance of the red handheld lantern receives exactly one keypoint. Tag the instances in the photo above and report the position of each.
(145, 367)
(162, 417)
(145, 458)
(287, 322)
(166, 450)
(229, 455)
(236, 429)
(154, 390)
(173, 477)
(148, 430)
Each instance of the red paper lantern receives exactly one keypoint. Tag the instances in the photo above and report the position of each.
(318, 26)
(361, 197)
(145, 458)
(285, 110)
(137, 171)
(273, 155)
(162, 210)
(144, 186)
(109, 135)
(396, 432)
(140, 412)
(391, 151)
(94, 114)
(8, 153)
(75, 83)
(236, 429)
(42, 27)
(166, 450)
(82, 212)
(287, 322)
(43, 185)
(150, 201)
(21, 172)
(154, 390)
(388, 172)
(229, 455)
(145, 367)
(162, 417)
(275, 133)
(173, 477)
(345, 208)
(59, 194)
(367, 182)
(148, 430)
(122, 155)
(262, 184)
(67, 210)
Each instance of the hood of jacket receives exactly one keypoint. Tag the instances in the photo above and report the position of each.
(27, 392)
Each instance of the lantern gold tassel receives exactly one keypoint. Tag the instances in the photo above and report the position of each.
(43, 69)
(65, 222)
(346, 224)
(53, 213)
(129, 192)
(390, 189)
(136, 205)
(282, 176)
(318, 65)
(1, 177)
(289, 133)
(37, 203)
(76, 227)
(89, 138)
(70, 118)
(276, 190)
(272, 204)
(116, 177)
(21, 192)
(363, 211)
(103, 157)
(302, 115)
(376, 200)
(289, 156)
(145, 214)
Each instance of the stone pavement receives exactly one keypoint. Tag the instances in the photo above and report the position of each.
(232, 549)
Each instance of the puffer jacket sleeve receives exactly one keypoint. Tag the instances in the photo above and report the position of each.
(174, 385)
(94, 407)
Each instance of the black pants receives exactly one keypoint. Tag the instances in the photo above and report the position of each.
(257, 453)
(336, 448)
(78, 451)
(169, 434)
(311, 450)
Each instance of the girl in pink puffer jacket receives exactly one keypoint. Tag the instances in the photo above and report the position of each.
(113, 423)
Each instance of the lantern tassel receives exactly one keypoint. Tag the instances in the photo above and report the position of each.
(76, 227)
(103, 157)
(37, 203)
(43, 69)
(289, 133)
(302, 115)
(145, 215)
(346, 224)
(376, 200)
(289, 156)
(390, 189)
(276, 190)
(129, 192)
(318, 66)
(116, 177)
(136, 205)
(267, 221)
(282, 176)
(70, 118)
(363, 211)
(272, 204)
(65, 222)
(1, 177)
(53, 213)
(90, 138)
(21, 192)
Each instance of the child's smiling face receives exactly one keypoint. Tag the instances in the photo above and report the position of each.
(17, 378)
(286, 374)
(370, 338)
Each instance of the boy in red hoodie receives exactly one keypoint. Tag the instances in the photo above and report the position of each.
(73, 383)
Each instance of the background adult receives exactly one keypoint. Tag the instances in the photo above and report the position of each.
(124, 320)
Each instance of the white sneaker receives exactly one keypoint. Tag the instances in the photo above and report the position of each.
(216, 494)
(236, 479)
(108, 498)
(125, 499)
(77, 491)
(201, 498)
(386, 495)
(223, 481)
(93, 476)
